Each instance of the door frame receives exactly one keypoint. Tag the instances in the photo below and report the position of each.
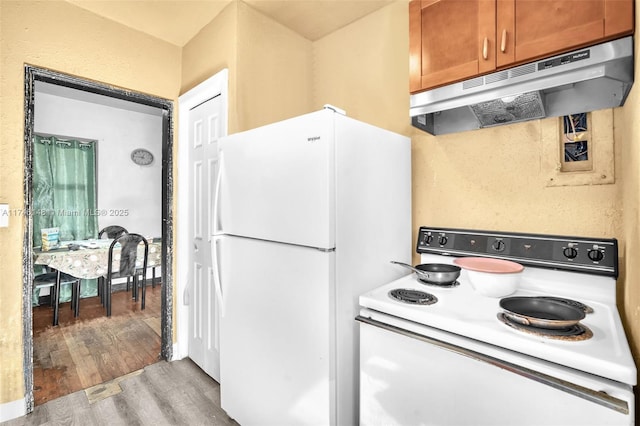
(33, 74)
(216, 85)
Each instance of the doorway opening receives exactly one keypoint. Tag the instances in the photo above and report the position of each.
(32, 76)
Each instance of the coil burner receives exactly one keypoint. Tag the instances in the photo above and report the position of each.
(414, 297)
(574, 333)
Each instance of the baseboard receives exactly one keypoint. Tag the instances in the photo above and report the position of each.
(177, 355)
(12, 410)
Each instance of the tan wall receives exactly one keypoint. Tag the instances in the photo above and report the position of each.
(364, 69)
(274, 71)
(627, 133)
(269, 66)
(211, 50)
(492, 179)
(65, 38)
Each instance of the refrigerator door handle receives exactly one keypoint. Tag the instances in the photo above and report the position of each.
(216, 198)
(217, 284)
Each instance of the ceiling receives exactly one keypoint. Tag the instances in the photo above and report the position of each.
(178, 21)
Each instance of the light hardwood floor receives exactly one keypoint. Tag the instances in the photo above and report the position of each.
(94, 370)
(165, 393)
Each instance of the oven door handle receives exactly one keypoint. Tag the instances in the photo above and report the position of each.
(597, 397)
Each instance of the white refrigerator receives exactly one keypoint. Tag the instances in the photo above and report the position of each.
(307, 214)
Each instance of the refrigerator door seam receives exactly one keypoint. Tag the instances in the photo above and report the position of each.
(322, 249)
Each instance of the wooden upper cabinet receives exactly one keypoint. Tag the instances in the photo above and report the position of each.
(450, 40)
(547, 27)
(453, 40)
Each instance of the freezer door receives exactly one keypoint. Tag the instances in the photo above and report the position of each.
(277, 182)
(276, 341)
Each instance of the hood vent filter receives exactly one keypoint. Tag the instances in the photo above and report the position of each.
(527, 106)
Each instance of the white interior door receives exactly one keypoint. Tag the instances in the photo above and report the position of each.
(204, 325)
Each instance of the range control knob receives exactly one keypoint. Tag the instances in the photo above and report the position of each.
(498, 245)
(428, 238)
(595, 255)
(442, 240)
(570, 252)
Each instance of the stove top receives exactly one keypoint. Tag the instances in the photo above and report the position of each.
(598, 344)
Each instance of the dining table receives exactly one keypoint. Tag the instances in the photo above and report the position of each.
(88, 259)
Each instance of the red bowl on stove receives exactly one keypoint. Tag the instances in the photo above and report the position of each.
(491, 277)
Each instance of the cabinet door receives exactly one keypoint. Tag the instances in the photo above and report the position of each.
(505, 32)
(450, 40)
(546, 27)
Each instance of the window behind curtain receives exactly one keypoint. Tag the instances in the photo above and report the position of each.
(64, 188)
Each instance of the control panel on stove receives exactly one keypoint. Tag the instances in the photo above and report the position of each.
(594, 255)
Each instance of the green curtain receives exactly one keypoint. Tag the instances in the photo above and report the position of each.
(64, 188)
(64, 194)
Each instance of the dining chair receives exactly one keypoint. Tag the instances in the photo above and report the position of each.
(129, 266)
(112, 231)
(54, 281)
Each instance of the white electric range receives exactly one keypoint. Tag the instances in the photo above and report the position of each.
(446, 356)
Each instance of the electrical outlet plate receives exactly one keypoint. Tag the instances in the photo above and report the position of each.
(601, 150)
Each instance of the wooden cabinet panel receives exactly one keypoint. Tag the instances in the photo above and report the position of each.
(453, 40)
(456, 40)
(545, 27)
(505, 32)
(618, 18)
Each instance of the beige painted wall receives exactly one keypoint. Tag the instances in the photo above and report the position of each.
(68, 39)
(274, 70)
(492, 179)
(364, 69)
(269, 66)
(210, 51)
(627, 133)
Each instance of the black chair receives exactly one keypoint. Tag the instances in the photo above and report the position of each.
(113, 231)
(127, 268)
(54, 280)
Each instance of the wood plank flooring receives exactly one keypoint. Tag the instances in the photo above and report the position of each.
(165, 393)
(92, 349)
(94, 370)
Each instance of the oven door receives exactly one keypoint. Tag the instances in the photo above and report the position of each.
(415, 375)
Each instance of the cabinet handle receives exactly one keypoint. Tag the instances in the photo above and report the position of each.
(503, 45)
(485, 48)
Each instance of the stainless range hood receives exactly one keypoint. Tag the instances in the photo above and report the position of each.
(585, 80)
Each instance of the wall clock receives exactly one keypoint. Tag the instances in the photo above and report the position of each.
(141, 156)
